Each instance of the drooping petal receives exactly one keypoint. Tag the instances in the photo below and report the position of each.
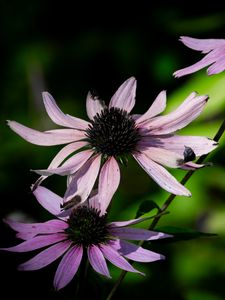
(204, 45)
(29, 230)
(176, 143)
(164, 157)
(157, 107)
(45, 257)
(135, 252)
(49, 200)
(115, 258)
(68, 267)
(179, 118)
(58, 117)
(137, 234)
(46, 138)
(127, 223)
(97, 260)
(71, 166)
(83, 181)
(60, 157)
(109, 180)
(93, 105)
(37, 242)
(218, 66)
(93, 200)
(161, 176)
(210, 58)
(124, 98)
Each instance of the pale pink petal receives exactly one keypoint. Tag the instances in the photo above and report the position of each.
(109, 180)
(27, 230)
(156, 108)
(93, 105)
(37, 242)
(46, 138)
(124, 98)
(161, 176)
(192, 166)
(83, 181)
(71, 165)
(164, 157)
(49, 200)
(60, 157)
(45, 257)
(68, 267)
(127, 223)
(135, 252)
(179, 118)
(204, 45)
(137, 234)
(176, 143)
(115, 258)
(97, 260)
(218, 66)
(210, 58)
(93, 200)
(58, 117)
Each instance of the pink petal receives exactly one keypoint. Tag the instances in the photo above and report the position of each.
(135, 252)
(192, 166)
(37, 242)
(161, 176)
(59, 158)
(204, 45)
(115, 258)
(156, 108)
(93, 200)
(176, 143)
(93, 106)
(97, 260)
(83, 181)
(46, 138)
(124, 98)
(45, 257)
(48, 200)
(127, 223)
(58, 117)
(68, 267)
(218, 66)
(109, 180)
(137, 234)
(164, 157)
(72, 165)
(179, 118)
(27, 231)
(210, 58)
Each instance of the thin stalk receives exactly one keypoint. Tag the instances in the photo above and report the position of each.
(166, 204)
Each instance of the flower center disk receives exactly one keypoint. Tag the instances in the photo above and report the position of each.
(113, 132)
(87, 227)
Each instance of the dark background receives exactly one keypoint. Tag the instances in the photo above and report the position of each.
(69, 48)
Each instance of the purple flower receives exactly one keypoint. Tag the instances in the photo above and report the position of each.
(112, 134)
(215, 57)
(86, 229)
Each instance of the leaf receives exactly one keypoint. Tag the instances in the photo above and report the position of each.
(181, 234)
(145, 207)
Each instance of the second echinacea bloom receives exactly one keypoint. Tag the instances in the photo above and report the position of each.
(215, 57)
(85, 230)
(113, 133)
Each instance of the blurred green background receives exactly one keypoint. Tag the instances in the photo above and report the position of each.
(68, 49)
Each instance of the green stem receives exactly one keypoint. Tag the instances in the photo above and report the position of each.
(166, 205)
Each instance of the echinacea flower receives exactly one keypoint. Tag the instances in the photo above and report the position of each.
(111, 134)
(215, 57)
(85, 230)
